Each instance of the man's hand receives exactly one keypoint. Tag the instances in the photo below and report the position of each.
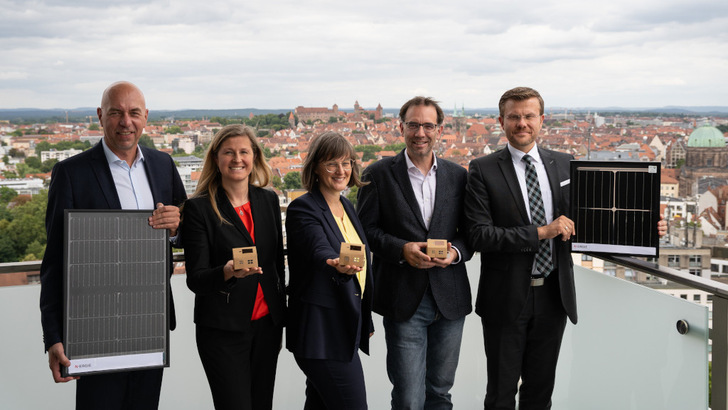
(56, 359)
(165, 217)
(560, 226)
(452, 254)
(661, 226)
(412, 252)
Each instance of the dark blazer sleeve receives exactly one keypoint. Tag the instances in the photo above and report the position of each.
(164, 181)
(450, 208)
(370, 206)
(204, 269)
(499, 228)
(326, 306)
(60, 197)
(391, 217)
(310, 244)
(84, 181)
(208, 245)
(489, 197)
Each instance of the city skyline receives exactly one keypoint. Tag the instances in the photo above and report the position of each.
(223, 55)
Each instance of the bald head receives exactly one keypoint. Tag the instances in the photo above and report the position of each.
(120, 87)
(123, 114)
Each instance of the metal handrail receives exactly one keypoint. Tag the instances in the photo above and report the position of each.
(17, 267)
(34, 266)
(673, 275)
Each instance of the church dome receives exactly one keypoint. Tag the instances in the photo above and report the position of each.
(706, 137)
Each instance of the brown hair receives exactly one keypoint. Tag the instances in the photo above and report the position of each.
(327, 146)
(519, 94)
(426, 101)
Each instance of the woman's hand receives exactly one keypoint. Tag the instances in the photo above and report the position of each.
(230, 272)
(345, 269)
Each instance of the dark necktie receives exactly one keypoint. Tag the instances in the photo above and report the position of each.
(544, 264)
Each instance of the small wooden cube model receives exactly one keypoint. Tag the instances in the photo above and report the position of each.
(245, 258)
(352, 254)
(437, 248)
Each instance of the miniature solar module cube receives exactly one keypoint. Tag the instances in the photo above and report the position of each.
(245, 258)
(437, 248)
(352, 254)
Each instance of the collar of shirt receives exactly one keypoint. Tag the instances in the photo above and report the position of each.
(517, 155)
(543, 179)
(411, 164)
(131, 183)
(114, 159)
(424, 187)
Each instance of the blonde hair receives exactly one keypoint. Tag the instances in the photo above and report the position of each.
(210, 178)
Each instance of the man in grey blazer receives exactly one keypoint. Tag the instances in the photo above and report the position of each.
(410, 198)
(523, 305)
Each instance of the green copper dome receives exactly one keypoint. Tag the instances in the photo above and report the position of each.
(706, 136)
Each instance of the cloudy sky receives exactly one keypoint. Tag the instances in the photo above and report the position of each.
(281, 54)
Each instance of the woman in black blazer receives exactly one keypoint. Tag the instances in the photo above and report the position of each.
(239, 313)
(330, 303)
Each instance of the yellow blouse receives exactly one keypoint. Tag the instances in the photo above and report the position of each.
(350, 236)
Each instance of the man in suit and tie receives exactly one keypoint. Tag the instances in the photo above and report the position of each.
(116, 173)
(412, 197)
(516, 205)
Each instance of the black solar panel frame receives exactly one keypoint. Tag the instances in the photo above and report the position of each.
(156, 242)
(618, 200)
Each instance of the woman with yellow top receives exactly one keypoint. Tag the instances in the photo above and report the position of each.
(329, 303)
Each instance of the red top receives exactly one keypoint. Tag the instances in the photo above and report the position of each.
(261, 307)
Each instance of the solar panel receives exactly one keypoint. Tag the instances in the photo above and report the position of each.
(615, 207)
(116, 270)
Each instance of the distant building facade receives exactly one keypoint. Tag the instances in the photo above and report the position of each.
(706, 157)
(23, 186)
(59, 155)
(306, 114)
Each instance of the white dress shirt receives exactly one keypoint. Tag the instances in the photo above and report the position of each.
(131, 183)
(543, 181)
(425, 187)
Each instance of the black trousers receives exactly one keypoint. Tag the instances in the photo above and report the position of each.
(241, 366)
(527, 349)
(334, 385)
(129, 390)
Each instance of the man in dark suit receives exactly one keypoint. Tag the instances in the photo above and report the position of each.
(115, 174)
(413, 197)
(523, 303)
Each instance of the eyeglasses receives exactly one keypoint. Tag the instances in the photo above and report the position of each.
(415, 126)
(332, 167)
(517, 118)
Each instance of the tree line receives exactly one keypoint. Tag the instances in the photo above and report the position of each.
(22, 225)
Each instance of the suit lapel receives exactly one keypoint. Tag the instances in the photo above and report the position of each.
(401, 175)
(442, 192)
(100, 167)
(326, 214)
(151, 168)
(509, 173)
(259, 211)
(550, 164)
(228, 212)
